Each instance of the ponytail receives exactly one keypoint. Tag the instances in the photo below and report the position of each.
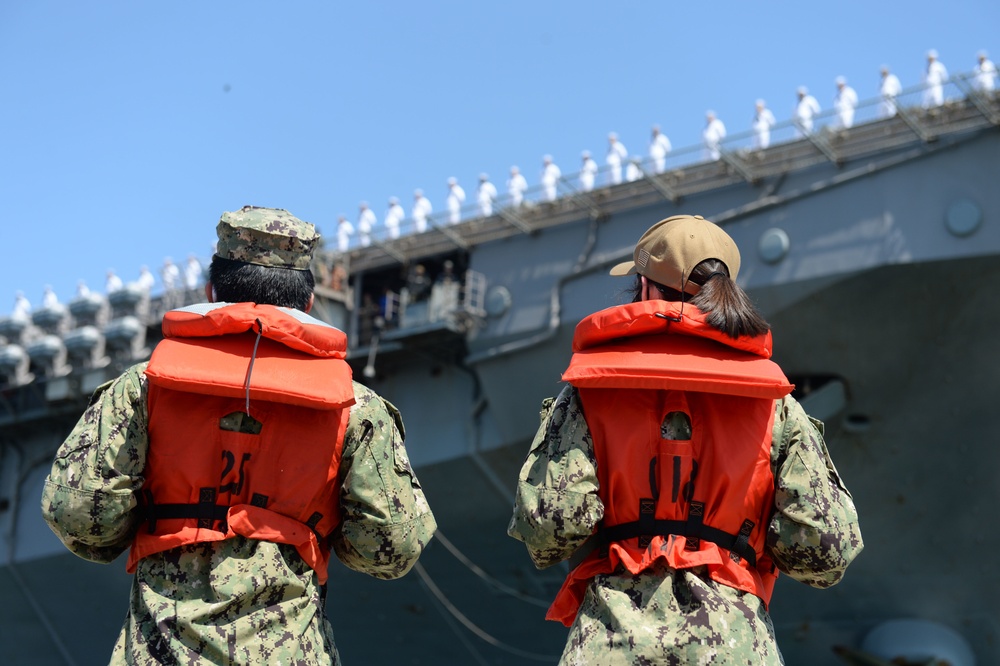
(727, 306)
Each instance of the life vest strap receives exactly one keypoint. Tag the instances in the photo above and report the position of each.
(647, 520)
(206, 511)
(737, 544)
(695, 521)
(742, 540)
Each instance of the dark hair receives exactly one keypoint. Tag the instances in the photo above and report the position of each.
(727, 306)
(240, 282)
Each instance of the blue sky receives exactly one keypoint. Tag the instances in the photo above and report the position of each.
(129, 127)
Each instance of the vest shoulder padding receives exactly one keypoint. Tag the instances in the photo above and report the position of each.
(218, 366)
(651, 345)
(676, 362)
(289, 327)
(658, 317)
(298, 360)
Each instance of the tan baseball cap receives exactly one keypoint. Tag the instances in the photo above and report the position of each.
(671, 248)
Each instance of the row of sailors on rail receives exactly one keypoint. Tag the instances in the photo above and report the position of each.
(621, 167)
(171, 276)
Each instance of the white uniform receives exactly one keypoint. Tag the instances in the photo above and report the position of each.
(22, 308)
(844, 103)
(889, 90)
(588, 173)
(986, 75)
(192, 273)
(659, 148)
(146, 279)
(762, 123)
(170, 275)
(516, 185)
(421, 210)
(485, 195)
(712, 137)
(550, 179)
(632, 170)
(49, 299)
(112, 283)
(616, 155)
(934, 79)
(805, 110)
(456, 197)
(393, 217)
(344, 232)
(366, 222)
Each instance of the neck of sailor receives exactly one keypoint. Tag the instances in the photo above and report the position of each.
(210, 296)
(649, 291)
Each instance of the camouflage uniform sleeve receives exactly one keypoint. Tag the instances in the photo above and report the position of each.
(385, 518)
(814, 533)
(89, 496)
(556, 508)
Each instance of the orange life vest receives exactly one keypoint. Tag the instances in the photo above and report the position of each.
(206, 481)
(699, 502)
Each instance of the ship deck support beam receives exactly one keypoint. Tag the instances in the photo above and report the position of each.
(660, 186)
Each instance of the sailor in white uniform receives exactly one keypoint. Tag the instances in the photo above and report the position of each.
(366, 222)
(763, 121)
(617, 154)
(633, 171)
(456, 197)
(844, 103)
(485, 195)
(145, 280)
(421, 210)
(806, 108)
(22, 307)
(393, 217)
(934, 79)
(516, 185)
(986, 74)
(192, 273)
(49, 299)
(659, 148)
(712, 136)
(588, 172)
(170, 275)
(889, 90)
(112, 282)
(550, 178)
(344, 232)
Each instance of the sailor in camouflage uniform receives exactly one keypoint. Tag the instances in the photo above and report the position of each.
(236, 599)
(655, 613)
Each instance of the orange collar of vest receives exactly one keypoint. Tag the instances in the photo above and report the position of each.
(659, 317)
(291, 328)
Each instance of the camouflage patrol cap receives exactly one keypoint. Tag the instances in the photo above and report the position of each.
(266, 237)
(672, 248)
